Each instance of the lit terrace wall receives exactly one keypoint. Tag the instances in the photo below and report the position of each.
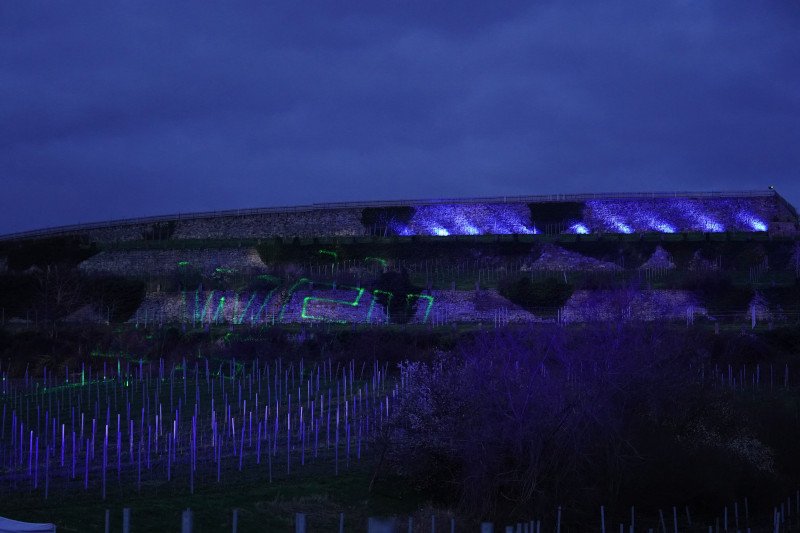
(165, 262)
(321, 222)
(668, 214)
(676, 215)
(351, 305)
(615, 306)
(469, 219)
(660, 215)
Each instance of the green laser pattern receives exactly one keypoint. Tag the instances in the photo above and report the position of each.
(308, 299)
(419, 297)
(330, 253)
(220, 309)
(380, 260)
(375, 294)
(292, 290)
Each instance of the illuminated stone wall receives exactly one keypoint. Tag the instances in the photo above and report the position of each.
(602, 215)
(675, 215)
(469, 219)
(635, 215)
(215, 307)
(609, 215)
(619, 305)
(320, 303)
(555, 258)
(471, 306)
(343, 305)
(301, 304)
(355, 306)
(165, 262)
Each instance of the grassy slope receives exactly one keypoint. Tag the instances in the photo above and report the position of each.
(262, 506)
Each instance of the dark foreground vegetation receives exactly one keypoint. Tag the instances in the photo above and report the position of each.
(501, 424)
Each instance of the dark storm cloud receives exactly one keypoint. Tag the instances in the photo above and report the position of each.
(116, 109)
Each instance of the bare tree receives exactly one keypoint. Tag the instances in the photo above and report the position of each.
(60, 293)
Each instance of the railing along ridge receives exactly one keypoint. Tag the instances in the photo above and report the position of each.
(71, 228)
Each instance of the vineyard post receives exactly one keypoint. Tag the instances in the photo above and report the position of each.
(299, 523)
(186, 521)
(603, 519)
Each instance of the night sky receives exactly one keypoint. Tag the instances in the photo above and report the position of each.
(115, 109)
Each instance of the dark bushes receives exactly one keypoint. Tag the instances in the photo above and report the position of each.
(555, 217)
(68, 250)
(394, 288)
(115, 297)
(386, 220)
(17, 294)
(536, 295)
(517, 423)
(56, 292)
(718, 293)
(159, 231)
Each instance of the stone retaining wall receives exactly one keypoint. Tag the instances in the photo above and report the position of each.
(604, 305)
(676, 215)
(603, 215)
(132, 232)
(327, 222)
(165, 262)
(343, 305)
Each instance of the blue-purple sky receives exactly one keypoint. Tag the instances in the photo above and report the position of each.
(113, 109)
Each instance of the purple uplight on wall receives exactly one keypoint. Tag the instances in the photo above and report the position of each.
(401, 229)
(752, 221)
(603, 215)
(471, 219)
(464, 226)
(679, 214)
(621, 226)
(579, 228)
(710, 226)
(662, 226)
(514, 223)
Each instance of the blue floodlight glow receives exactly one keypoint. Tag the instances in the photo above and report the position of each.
(621, 226)
(663, 227)
(678, 214)
(519, 228)
(472, 230)
(710, 226)
(470, 219)
(501, 229)
(401, 229)
(579, 228)
(611, 215)
(469, 229)
(463, 226)
(752, 222)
